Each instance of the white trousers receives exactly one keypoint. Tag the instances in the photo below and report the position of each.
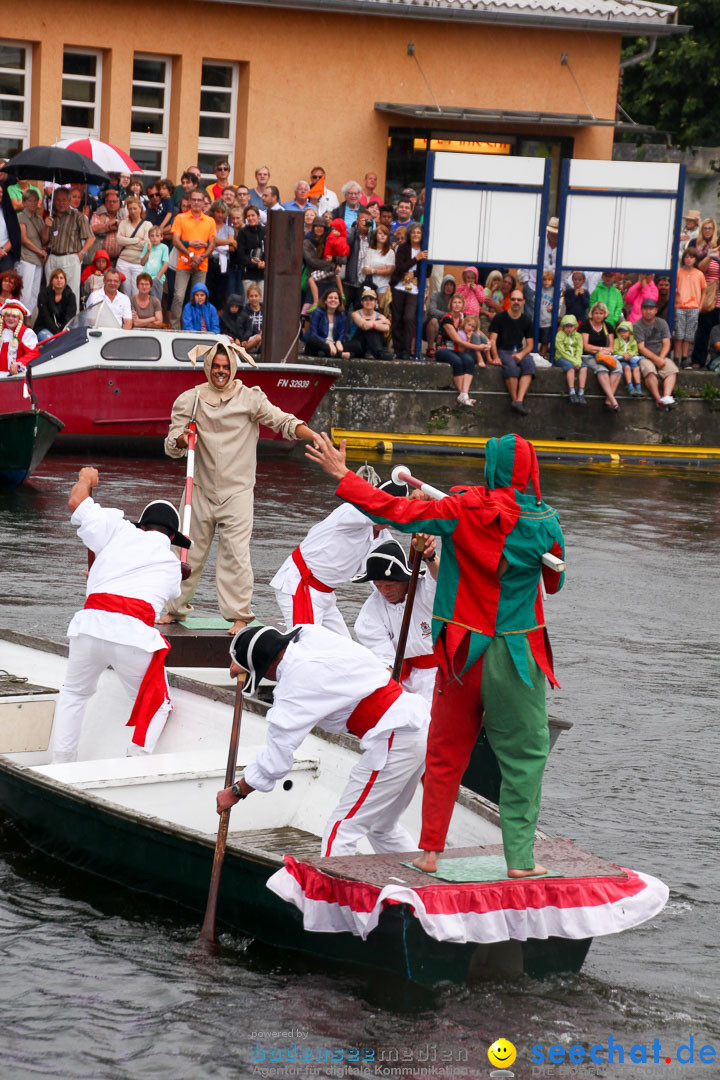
(32, 280)
(132, 272)
(325, 610)
(89, 656)
(373, 801)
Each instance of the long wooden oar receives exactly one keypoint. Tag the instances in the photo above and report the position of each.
(409, 604)
(207, 933)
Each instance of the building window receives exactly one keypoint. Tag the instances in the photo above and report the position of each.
(218, 114)
(15, 83)
(150, 114)
(81, 93)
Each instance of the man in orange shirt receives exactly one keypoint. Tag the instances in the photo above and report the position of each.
(194, 237)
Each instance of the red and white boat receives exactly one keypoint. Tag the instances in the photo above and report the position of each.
(114, 389)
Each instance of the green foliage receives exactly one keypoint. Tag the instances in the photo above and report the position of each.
(710, 391)
(678, 89)
(680, 393)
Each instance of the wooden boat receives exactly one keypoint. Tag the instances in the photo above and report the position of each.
(114, 389)
(25, 438)
(149, 823)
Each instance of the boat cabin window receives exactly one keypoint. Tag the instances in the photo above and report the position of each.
(142, 347)
(182, 346)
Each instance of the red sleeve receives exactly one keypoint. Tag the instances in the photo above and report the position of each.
(407, 515)
(551, 579)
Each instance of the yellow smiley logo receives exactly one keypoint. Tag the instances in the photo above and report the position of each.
(502, 1054)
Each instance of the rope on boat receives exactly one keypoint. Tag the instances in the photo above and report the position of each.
(6, 677)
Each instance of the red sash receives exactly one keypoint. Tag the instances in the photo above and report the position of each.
(367, 712)
(153, 692)
(302, 601)
(427, 660)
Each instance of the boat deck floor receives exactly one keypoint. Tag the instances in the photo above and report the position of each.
(285, 840)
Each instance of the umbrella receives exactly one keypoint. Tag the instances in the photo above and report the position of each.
(108, 157)
(57, 164)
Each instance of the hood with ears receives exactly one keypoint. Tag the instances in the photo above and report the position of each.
(339, 225)
(209, 392)
(510, 462)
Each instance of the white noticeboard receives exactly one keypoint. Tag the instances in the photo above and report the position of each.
(613, 231)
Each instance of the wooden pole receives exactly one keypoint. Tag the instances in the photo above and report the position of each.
(283, 269)
(418, 550)
(207, 932)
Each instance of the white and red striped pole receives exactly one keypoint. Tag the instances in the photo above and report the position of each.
(189, 477)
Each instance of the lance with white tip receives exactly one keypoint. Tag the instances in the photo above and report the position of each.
(402, 475)
(189, 477)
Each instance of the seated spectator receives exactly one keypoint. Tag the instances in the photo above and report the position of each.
(301, 197)
(511, 339)
(689, 288)
(11, 285)
(271, 199)
(229, 314)
(156, 260)
(221, 168)
(328, 327)
(714, 344)
(116, 301)
(218, 262)
(348, 209)
(369, 194)
(657, 369)
(403, 215)
(18, 343)
(146, 308)
(606, 292)
(199, 314)
(56, 306)
(32, 252)
(458, 351)
(626, 354)
(93, 276)
(472, 293)
(262, 179)
(437, 307)
(576, 297)
(507, 285)
(132, 238)
(250, 321)
(368, 329)
(404, 285)
(547, 296)
(569, 357)
(251, 250)
(598, 342)
(643, 289)
(316, 265)
(337, 249)
(358, 238)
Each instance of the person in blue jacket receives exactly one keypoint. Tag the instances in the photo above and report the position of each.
(199, 313)
(328, 327)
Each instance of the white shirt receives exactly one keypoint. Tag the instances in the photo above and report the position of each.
(120, 305)
(128, 562)
(321, 679)
(334, 550)
(29, 339)
(327, 201)
(4, 238)
(378, 629)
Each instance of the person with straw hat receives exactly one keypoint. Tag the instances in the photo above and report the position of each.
(228, 417)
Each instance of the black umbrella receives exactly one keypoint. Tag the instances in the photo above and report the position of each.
(57, 164)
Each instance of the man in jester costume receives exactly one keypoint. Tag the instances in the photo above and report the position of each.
(492, 648)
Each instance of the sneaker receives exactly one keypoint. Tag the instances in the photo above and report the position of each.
(581, 398)
(572, 397)
(520, 407)
(668, 400)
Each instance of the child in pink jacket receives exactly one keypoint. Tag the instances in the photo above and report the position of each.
(472, 293)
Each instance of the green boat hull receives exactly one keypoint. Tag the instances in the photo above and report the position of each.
(25, 438)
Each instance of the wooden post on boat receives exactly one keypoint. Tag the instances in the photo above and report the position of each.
(207, 932)
(418, 550)
(281, 304)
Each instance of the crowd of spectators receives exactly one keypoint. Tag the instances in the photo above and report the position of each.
(192, 256)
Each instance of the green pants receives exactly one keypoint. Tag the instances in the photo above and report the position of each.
(516, 723)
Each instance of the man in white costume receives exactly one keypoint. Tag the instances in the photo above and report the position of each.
(331, 554)
(132, 577)
(381, 616)
(331, 682)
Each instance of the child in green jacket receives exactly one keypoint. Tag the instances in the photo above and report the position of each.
(626, 353)
(568, 356)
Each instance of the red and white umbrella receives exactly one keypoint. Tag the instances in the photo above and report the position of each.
(108, 157)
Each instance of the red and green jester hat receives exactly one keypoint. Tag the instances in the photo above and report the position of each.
(481, 526)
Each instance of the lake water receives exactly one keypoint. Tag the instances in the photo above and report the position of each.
(98, 983)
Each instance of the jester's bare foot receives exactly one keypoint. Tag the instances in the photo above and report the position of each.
(168, 618)
(236, 627)
(536, 871)
(427, 861)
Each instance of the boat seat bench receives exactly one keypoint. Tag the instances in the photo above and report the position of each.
(155, 768)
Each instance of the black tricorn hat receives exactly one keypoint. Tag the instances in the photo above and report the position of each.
(164, 513)
(399, 491)
(386, 562)
(255, 647)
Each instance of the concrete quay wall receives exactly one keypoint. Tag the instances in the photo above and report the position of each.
(404, 397)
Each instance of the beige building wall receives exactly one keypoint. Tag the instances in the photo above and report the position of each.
(308, 81)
